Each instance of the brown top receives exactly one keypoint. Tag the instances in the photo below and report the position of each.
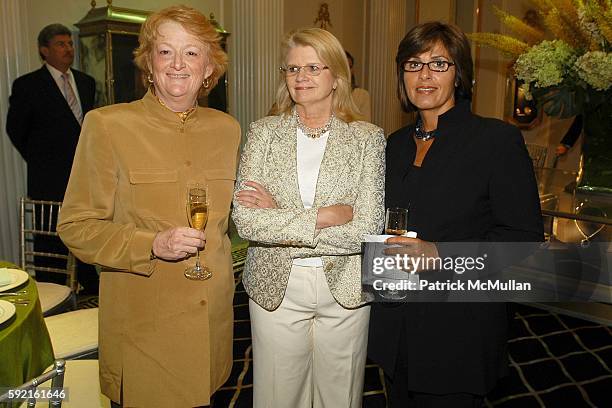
(167, 338)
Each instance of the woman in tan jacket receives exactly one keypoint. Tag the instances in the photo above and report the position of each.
(165, 340)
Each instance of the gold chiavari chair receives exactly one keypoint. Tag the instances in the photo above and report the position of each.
(38, 221)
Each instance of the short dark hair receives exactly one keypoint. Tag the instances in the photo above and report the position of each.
(423, 38)
(48, 32)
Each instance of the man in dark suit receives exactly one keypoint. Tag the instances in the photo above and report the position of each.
(46, 109)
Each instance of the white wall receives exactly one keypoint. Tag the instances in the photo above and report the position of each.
(348, 25)
(490, 67)
(430, 10)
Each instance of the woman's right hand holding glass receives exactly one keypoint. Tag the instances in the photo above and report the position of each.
(177, 243)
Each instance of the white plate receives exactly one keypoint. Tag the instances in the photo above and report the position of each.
(19, 277)
(7, 310)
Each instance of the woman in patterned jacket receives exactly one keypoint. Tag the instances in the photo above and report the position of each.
(310, 186)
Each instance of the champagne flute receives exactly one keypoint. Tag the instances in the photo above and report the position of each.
(396, 221)
(197, 214)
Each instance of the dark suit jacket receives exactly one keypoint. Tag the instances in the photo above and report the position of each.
(475, 184)
(573, 133)
(44, 130)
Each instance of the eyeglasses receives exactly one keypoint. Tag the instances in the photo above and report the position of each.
(436, 66)
(311, 69)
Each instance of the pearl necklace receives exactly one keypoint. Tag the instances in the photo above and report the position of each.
(421, 134)
(310, 132)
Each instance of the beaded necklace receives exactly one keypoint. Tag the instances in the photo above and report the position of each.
(313, 133)
(421, 134)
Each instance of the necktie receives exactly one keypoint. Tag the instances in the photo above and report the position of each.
(71, 98)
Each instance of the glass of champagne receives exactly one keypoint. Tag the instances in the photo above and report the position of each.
(396, 221)
(197, 214)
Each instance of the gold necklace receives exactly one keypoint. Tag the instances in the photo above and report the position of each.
(313, 133)
(182, 115)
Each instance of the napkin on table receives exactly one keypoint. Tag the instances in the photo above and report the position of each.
(383, 238)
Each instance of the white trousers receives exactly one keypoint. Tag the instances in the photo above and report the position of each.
(310, 351)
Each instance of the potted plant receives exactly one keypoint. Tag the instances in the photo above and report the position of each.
(566, 66)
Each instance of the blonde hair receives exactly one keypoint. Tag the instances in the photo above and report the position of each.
(196, 24)
(331, 53)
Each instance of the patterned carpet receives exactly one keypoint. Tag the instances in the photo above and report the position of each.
(556, 361)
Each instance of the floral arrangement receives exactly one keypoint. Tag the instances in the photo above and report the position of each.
(564, 61)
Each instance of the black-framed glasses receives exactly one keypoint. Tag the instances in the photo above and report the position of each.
(310, 69)
(436, 66)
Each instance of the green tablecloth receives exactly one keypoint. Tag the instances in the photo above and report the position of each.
(25, 346)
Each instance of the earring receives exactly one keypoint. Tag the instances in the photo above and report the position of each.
(206, 83)
(150, 77)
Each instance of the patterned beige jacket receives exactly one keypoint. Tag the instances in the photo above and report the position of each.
(352, 172)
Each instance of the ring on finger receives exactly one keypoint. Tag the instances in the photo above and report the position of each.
(257, 201)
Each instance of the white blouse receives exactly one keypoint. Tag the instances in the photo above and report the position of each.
(309, 157)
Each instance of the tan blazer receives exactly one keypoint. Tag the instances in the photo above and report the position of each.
(352, 172)
(167, 338)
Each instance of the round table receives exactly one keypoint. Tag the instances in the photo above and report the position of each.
(25, 346)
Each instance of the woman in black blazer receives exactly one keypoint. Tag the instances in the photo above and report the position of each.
(464, 178)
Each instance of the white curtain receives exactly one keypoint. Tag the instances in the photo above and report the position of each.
(257, 27)
(14, 51)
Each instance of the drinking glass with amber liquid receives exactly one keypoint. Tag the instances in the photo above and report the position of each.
(197, 214)
(396, 221)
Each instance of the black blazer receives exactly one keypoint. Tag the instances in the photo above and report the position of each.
(476, 183)
(44, 130)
